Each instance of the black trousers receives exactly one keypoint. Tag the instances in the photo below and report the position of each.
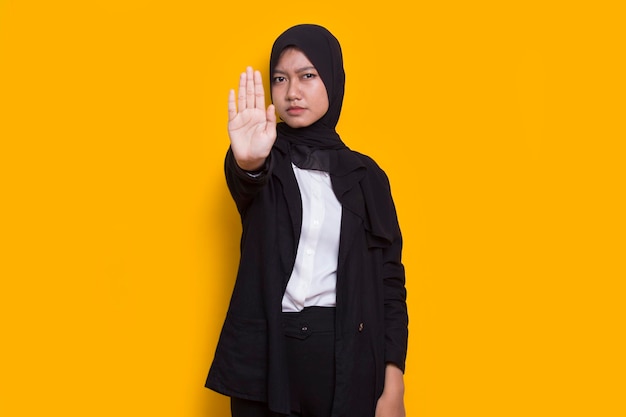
(310, 341)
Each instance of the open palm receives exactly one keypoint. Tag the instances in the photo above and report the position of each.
(251, 127)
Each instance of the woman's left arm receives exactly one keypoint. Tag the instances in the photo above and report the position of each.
(391, 402)
(395, 307)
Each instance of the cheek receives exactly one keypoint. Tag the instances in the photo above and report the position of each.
(323, 100)
(322, 96)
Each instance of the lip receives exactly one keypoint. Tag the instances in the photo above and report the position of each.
(295, 110)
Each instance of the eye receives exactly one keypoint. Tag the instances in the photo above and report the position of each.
(277, 80)
(309, 75)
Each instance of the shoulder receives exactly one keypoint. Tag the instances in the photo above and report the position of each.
(373, 169)
(367, 161)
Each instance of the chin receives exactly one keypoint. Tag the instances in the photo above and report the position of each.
(296, 124)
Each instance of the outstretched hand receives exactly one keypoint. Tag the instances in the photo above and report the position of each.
(251, 127)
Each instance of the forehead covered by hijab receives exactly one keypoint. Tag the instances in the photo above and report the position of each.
(324, 52)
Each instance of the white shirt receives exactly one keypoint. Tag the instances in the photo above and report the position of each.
(314, 276)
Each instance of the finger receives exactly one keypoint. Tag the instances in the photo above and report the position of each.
(249, 88)
(232, 109)
(242, 91)
(259, 93)
(271, 119)
(270, 126)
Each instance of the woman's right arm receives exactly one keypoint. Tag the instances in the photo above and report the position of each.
(252, 133)
(251, 127)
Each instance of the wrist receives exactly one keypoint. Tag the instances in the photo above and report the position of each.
(251, 166)
(394, 379)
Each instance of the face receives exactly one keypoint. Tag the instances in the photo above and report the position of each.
(298, 91)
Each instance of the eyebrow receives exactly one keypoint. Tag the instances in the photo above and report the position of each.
(279, 71)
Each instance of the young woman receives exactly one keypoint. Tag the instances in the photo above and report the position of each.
(317, 324)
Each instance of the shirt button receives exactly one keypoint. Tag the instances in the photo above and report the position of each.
(360, 327)
(309, 252)
(305, 328)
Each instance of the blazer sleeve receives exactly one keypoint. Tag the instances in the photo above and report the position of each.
(243, 185)
(396, 312)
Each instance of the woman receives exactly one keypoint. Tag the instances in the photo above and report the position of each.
(317, 323)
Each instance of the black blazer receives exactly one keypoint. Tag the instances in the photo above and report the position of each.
(371, 313)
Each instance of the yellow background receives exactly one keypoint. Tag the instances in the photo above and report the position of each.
(500, 125)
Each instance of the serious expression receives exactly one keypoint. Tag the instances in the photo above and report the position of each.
(298, 92)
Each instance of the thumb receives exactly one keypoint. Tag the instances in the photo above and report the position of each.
(271, 118)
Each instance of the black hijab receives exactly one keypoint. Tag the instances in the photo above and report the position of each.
(320, 147)
(324, 52)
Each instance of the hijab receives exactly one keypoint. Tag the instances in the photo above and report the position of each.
(309, 145)
(320, 147)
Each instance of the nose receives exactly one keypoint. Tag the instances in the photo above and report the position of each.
(293, 90)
